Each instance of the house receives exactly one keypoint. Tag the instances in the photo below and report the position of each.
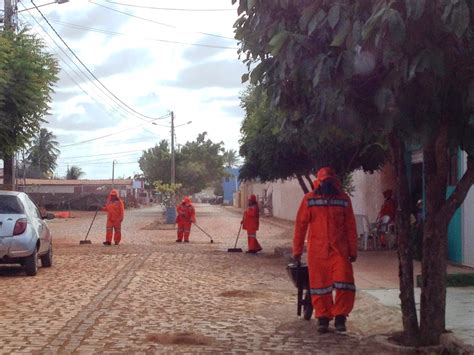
(230, 185)
(81, 194)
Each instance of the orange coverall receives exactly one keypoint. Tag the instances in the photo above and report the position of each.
(186, 215)
(115, 213)
(250, 223)
(332, 241)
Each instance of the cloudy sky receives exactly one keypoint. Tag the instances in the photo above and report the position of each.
(154, 60)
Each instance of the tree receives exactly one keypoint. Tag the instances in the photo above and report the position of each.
(198, 164)
(27, 74)
(74, 173)
(402, 67)
(156, 163)
(273, 153)
(42, 155)
(231, 158)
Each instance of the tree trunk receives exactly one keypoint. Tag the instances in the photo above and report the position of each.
(405, 246)
(310, 182)
(435, 228)
(8, 172)
(302, 184)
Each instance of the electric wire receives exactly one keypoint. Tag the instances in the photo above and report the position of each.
(157, 22)
(167, 8)
(100, 91)
(96, 155)
(113, 33)
(143, 116)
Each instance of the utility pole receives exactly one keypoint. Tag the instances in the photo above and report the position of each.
(113, 171)
(9, 178)
(173, 167)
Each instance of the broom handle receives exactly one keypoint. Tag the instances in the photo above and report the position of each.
(202, 230)
(238, 234)
(93, 219)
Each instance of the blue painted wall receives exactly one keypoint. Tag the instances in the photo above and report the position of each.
(230, 184)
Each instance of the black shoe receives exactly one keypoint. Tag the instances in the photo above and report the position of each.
(186, 241)
(117, 243)
(178, 241)
(107, 243)
(323, 324)
(340, 323)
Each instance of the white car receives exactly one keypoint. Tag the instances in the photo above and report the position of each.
(24, 233)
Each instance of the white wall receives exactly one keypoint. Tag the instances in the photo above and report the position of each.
(59, 189)
(468, 223)
(287, 196)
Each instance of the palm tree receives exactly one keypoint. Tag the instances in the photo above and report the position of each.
(230, 158)
(74, 173)
(43, 155)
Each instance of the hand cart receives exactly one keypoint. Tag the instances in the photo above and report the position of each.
(299, 275)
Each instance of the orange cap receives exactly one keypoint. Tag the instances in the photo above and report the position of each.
(253, 198)
(325, 173)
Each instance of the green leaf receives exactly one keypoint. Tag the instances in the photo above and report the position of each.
(257, 73)
(396, 25)
(245, 77)
(277, 42)
(341, 34)
(334, 15)
(372, 23)
(317, 72)
(317, 19)
(307, 15)
(415, 8)
(250, 4)
(460, 18)
(447, 11)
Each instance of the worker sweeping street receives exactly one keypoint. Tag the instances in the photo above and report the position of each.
(250, 223)
(115, 213)
(332, 247)
(185, 216)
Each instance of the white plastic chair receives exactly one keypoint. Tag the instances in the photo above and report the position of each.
(364, 233)
(386, 226)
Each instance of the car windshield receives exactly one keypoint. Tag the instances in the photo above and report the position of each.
(10, 205)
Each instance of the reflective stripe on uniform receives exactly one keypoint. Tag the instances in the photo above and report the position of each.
(252, 235)
(344, 286)
(321, 291)
(322, 202)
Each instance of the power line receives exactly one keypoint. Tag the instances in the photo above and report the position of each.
(110, 134)
(112, 33)
(84, 75)
(88, 70)
(167, 8)
(156, 22)
(102, 159)
(96, 155)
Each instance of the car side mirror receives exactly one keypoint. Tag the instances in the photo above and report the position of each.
(49, 216)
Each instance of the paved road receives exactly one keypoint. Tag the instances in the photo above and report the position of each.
(153, 295)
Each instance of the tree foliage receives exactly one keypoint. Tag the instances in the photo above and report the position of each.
(27, 75)
(42, 155)
(231, 158)
(198, 164)
(74, 173)
(398, 69)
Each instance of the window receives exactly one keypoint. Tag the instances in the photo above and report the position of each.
(10, 205)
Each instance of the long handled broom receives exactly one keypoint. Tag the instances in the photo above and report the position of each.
(234, 249)
(87, 241)
(207, 234)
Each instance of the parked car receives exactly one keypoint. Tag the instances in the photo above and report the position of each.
(24, 233)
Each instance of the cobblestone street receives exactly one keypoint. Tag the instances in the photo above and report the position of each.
(151, 294)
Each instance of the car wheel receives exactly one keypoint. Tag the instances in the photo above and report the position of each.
(47, 259)
(31, 264)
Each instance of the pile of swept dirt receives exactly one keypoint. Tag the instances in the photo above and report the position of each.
(184, 338)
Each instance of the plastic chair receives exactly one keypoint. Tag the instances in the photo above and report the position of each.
(386, 227)
(364, 233)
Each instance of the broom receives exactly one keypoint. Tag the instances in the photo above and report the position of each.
(86, 241)
(234, 249)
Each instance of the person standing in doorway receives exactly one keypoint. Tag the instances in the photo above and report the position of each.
(332, 247)
(115, 213)
(185, 216)
(250, 223)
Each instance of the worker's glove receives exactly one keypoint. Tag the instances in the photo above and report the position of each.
(297, 259)
(352, 259)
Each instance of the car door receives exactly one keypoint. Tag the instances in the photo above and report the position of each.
(39, 225)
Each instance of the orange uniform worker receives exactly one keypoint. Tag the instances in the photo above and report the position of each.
(250, 223)
(332, 247)
(185, 216)
(389, 207)
(115, 213)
